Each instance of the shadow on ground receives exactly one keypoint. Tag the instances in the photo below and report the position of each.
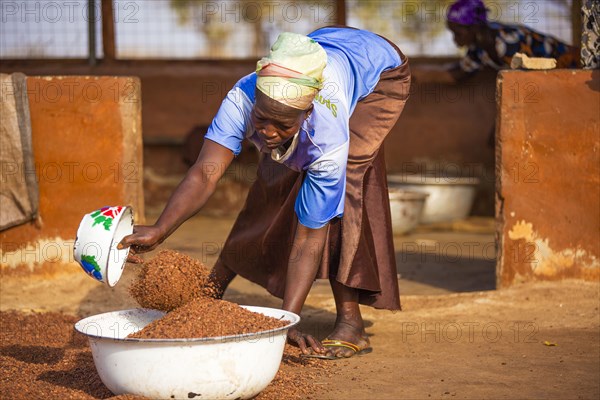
(438, 262)
(460, 275)
(81, 376)
(33, 354)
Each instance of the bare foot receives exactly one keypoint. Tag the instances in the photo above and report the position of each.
(348, 333)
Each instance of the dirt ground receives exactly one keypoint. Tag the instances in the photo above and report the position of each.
(456, 337)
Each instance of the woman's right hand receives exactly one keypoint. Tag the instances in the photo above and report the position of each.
(307, 343)
(143, 239)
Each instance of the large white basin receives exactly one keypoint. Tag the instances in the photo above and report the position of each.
(227, 367)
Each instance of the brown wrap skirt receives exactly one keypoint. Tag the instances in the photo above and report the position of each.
(359, 252)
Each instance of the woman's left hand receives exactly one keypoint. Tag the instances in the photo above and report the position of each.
(307, 343)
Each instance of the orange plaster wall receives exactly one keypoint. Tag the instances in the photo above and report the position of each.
(548, 171)
(87, 146)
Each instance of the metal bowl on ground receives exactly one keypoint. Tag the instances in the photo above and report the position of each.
(227, 367)
(450, 198)
(406, 209)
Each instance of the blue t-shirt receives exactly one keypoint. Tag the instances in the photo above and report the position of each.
(355, 60)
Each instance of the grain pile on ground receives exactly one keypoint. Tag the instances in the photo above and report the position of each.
(298, 378)
(170, 280)
(42, 357)
(207, 317)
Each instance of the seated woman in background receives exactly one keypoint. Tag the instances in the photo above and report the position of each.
(494, 44)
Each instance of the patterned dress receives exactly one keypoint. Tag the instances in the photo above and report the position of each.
(512, 39)
(590, 37)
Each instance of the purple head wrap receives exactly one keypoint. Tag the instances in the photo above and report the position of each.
(468, 12)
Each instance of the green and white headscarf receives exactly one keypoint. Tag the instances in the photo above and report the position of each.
(293, 72)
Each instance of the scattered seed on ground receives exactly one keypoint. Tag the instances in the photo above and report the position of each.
(41, 356)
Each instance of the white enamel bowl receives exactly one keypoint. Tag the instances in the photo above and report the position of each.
(227, 367)
(98, 235)
(406, 208)
(449, 198)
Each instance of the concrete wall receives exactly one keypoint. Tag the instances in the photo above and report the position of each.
(87, 145)
(548, 189)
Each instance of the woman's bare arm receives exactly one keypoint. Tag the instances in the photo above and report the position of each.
(305, 258)
(187, 199)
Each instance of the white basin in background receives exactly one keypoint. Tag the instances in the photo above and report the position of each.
(450, 198)
(406, 208)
